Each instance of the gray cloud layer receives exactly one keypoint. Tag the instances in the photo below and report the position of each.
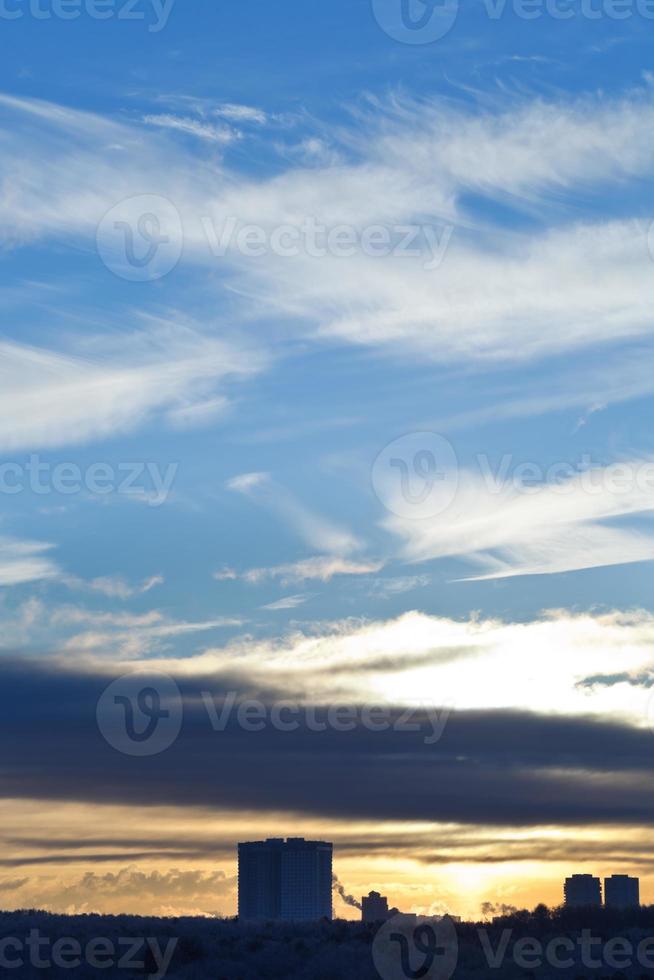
(490, 767)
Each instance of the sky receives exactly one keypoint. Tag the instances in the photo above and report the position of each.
(325, 389)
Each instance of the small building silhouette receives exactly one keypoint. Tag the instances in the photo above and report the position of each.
(581, 890)
(374, 908)
(621, 892)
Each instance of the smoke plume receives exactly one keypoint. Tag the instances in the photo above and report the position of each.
(348, 899)
(491, 908)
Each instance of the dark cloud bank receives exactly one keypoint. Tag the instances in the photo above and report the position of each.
(489, 767)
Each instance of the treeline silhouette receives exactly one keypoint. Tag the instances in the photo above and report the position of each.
(207, 948)
(224, 949)
(549, 926)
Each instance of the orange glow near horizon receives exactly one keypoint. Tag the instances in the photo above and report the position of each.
(173, 861)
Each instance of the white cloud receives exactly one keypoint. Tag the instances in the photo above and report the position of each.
(248, 482)
(241, 113)
(25, 561)
(387, 588)
(51, 398)
(488, 302)
(288, 602)
(178, 891)
(196, 414)
(492, 300)
(556, 663)
(126, 636)
(322, 568)
(113, 586)
(223, 135)
(508, 528)
(313, 151)
(317, 531)
(619, 374)
(99, 635)
(590, 411)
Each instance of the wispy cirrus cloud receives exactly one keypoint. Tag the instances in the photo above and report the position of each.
(288, 602)
(387, 588)
(511, 529)
(106, 636)
(322, 568)
(241, 113)
(317, 531)
(113, 586)
(25, 561)
(110, 385)
(530, 155)
(210, 133)
(206, 108)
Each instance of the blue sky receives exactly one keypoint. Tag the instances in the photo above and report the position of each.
(509, 353)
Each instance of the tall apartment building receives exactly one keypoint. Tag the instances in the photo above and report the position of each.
(582, 890)
(621, 892)
(285, 879)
